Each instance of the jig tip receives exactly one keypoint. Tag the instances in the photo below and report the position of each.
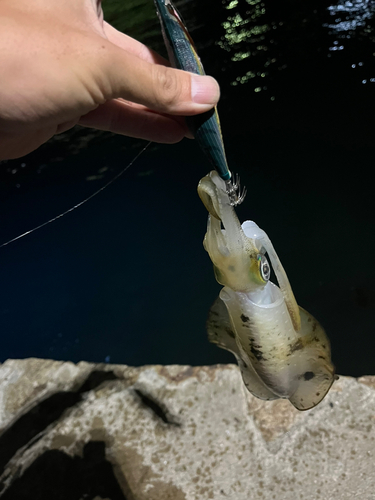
(233, 190)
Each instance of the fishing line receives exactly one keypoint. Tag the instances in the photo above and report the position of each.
(81, 202)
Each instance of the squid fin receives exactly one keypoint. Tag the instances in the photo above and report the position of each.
(318, 371)
(220, 332)
(219, 328)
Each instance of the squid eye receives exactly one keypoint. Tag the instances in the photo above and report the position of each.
(264, 267)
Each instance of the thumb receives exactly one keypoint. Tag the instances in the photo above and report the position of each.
(158, 87)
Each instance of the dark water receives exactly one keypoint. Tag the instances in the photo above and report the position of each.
(125, 278)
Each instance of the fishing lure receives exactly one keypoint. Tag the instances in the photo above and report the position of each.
(206, 126)
(282, 351)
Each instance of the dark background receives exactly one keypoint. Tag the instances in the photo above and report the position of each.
(124, 278)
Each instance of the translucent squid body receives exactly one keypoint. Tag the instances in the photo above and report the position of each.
(282, 351)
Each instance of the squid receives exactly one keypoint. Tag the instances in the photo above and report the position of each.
(281, 349)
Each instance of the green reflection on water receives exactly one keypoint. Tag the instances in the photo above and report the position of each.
(232, 4)
(245, 36)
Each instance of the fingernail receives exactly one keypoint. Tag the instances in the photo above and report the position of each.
(204, 89)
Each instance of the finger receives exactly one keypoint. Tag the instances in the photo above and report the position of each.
(64, 126)
(135, 121)
(13, 145)
(166, 90)
(132, 46)
(179, 119)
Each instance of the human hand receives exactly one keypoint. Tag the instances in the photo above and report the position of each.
(62, 65)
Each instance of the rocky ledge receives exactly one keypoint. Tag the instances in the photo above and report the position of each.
(94, 431)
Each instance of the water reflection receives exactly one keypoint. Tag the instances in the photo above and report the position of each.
(245, 36)
(350, 15)
(352, 21)
(262, 39)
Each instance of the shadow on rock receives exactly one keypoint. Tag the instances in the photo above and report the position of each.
(58, 476)
(29, 427)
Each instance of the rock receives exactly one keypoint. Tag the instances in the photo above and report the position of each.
(110, 432)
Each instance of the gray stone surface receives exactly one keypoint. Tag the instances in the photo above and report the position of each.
(177, 432)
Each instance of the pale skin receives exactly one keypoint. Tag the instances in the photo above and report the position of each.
(63, 65)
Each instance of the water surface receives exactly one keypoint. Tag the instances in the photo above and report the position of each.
(125, 278)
